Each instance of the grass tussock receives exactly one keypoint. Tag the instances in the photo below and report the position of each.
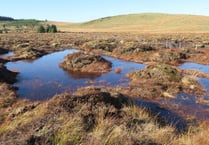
(70, 132)
(194, 136)
(140, 128)
(93, 117)
(17, 117)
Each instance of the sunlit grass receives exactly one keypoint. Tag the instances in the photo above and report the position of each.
(23, 119)
(147, 22)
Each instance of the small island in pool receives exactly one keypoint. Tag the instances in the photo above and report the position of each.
(88, 63)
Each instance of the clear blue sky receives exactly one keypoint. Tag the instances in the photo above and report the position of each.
(84, 10)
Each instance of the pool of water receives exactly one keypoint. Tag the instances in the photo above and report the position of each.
(188, 103)
(7, 54)
(165, 115)
(43, 78)
(205, 83)
(195, 66)
(198, 67)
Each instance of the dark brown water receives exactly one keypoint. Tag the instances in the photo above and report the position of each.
(43, 78)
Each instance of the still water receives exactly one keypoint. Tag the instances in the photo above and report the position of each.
(198, 67)
(43, 78)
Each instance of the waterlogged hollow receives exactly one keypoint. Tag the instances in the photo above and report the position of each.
(200, 68)
(195, 66)
(43, 78)
(7, 54)
(190, 104)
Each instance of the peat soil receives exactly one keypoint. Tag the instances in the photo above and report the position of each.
(164, 51)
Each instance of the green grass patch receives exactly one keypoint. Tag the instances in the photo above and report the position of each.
(22, 23)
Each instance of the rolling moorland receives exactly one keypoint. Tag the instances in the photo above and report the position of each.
(144, 23)
(148, 110)
(148, 22)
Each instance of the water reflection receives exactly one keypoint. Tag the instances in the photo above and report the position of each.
(43, 78)
(6, 54)
(195, 66)
(82, 75)
(189, 104)
(164, 116)
(205, 83)
(198, 67)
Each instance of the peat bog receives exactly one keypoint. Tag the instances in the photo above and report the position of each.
(43, 78)
(151, 90)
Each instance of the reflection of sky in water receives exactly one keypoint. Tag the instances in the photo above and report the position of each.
(188, 105)
(43, 78)
(168, 116)
(205, 83)
(188, 102)
(201, 68)
(7, 54)
(195, 66)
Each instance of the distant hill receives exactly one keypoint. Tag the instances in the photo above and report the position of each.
(146, 22)
(2, 18)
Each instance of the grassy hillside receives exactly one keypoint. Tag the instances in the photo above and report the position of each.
(147, 22)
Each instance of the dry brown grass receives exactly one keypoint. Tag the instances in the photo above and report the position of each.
(70, 132)
(142, 23)
(107, 130)
(195, 136)
(142, 133)
(196, 73)
(17, 118)
(128, 125)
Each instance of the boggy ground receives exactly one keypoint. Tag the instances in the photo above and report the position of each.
(167, 48)
(91, 116)
(163, 80)
(7, 91)
(95, 116)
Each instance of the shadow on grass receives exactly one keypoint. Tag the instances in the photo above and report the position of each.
(164, 116)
